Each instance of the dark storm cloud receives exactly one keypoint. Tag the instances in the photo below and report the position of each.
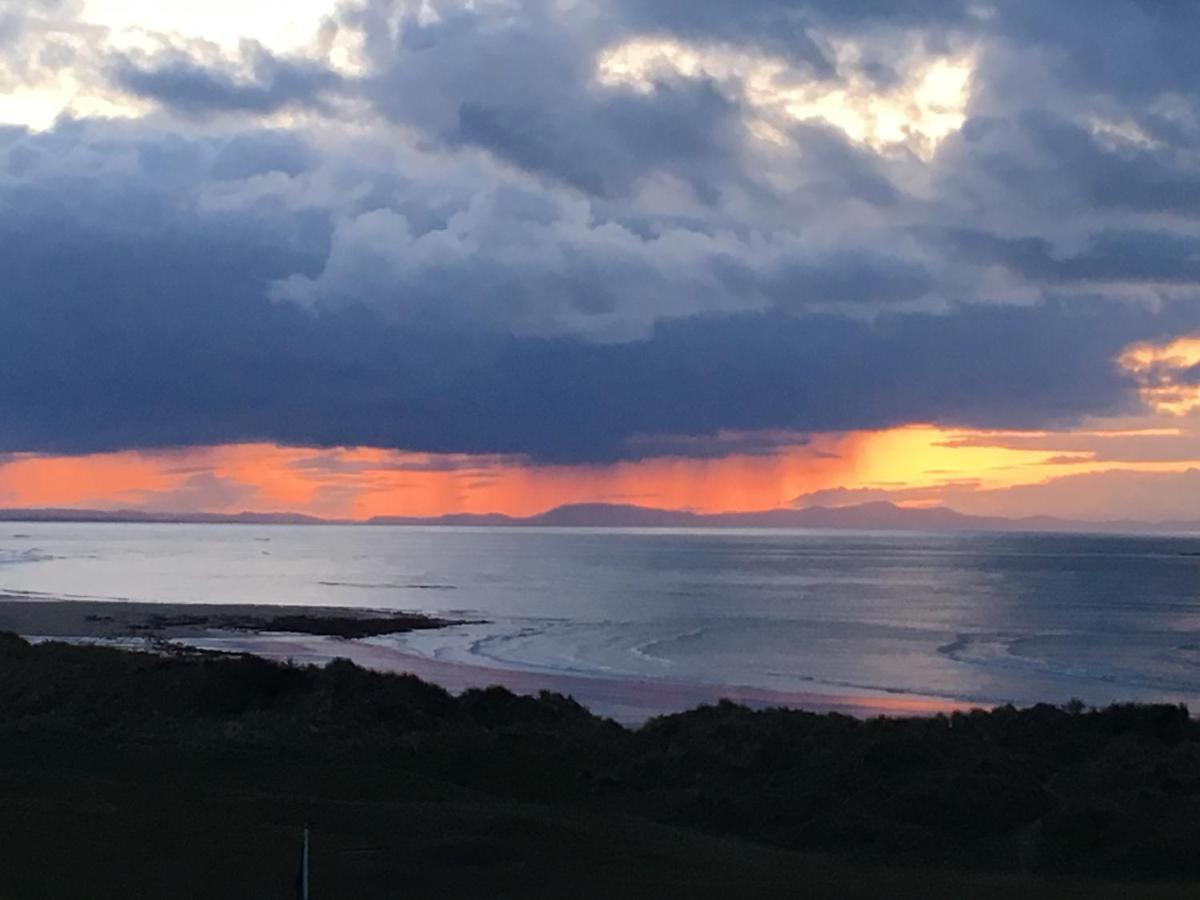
(114, 347)
(507, 254)
(1053, 162)
(262, 152)
(841, 171)
(1126, 47)
(1110, 256)
(602, 147)
(850, 276)
(782, 26)
(96, 370)
(175, 79)
(721, 444)
(521, 85)
(545, 114)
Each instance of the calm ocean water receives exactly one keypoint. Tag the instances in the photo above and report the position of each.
(978, 618)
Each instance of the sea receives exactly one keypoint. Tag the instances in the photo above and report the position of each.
(643, 621)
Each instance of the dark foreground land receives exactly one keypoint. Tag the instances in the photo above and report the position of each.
(140, 775)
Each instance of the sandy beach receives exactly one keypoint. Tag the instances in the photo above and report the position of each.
(630, 701)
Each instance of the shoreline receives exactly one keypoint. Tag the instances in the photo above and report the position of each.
(318, 635)
(628, 700)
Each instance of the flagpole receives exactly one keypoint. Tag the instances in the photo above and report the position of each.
(304, 869)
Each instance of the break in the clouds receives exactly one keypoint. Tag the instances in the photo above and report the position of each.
(590, 230)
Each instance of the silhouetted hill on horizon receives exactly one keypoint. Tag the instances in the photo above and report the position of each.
(878, 516)
(865, 516)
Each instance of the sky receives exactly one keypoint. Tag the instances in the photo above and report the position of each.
(394, 257)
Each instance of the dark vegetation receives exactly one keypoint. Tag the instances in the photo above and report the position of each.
(137, 775)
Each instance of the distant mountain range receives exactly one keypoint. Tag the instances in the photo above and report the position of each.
(865, 516)
(880, 516)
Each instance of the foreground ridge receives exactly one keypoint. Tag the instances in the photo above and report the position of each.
(1064, 791)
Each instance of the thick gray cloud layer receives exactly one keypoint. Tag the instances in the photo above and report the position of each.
(271, 84)
(478, 241)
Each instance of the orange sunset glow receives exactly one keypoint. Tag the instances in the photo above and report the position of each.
(915, 463)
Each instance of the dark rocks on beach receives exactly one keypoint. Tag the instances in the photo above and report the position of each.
(84, 619)
(334, 626)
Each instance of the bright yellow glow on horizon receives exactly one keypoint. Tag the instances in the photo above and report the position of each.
(921, 456)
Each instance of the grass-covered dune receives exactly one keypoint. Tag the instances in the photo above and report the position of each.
(140, 775)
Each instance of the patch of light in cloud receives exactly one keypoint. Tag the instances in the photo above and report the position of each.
(926, 103)
(279, 26)
(38, 106)
(35, 108)
(101, 26)
(1114, 133)
(1167, 374)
